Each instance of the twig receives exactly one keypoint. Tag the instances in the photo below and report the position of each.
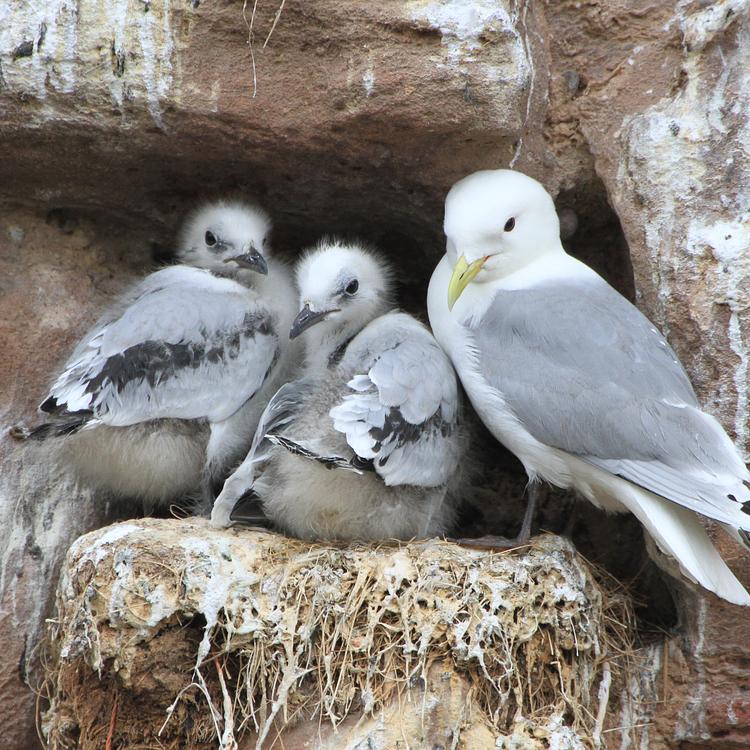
(275, 21)
(38, 720)
(250, 40)
(112, 722)
(604, 686)
(628, 726)
(203, 689)
(227, 740)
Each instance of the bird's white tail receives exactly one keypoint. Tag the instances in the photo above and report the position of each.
(678, 532)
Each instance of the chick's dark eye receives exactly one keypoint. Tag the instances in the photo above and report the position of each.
(210, 239)
(352, 286)
(509, 224)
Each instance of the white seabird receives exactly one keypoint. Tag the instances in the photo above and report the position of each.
(575, 381)
(364, 445)
(167, 388)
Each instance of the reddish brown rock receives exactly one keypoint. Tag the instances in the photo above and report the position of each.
(52, 282)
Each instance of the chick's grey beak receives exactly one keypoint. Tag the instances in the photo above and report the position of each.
(306, 318)
(252, 260)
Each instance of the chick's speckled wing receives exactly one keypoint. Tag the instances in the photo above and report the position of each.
(400, 410)
(188, 346)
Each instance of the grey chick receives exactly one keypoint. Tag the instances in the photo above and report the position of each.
(365, 443)
(165, 392)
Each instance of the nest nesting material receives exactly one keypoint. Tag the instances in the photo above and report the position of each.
(173, 634)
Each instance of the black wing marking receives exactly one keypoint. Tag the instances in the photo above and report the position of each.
(357, 465)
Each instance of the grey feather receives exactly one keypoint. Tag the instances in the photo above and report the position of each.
(281, 410)
(299, 449)
(188, 347)
(585, 372)
(401, 408)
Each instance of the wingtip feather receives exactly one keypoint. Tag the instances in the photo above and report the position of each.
(679, 534)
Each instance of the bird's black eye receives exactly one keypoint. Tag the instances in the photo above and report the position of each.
(210, 239)
(351, 287)
(509, 224)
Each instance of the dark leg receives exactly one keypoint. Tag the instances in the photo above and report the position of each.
(570, 523)
(500, 542)
(209, 489)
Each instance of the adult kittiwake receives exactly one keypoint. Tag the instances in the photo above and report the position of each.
(167, 388)
(576, 382)
(366, 442)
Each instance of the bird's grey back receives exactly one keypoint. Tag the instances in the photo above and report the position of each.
(586, 372)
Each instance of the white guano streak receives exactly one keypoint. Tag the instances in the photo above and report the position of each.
(666, 165)
(461, 23)
(73, 41)
(691, 720)
(116, 11)
(729, 242)
(157, 66)
(54, 23)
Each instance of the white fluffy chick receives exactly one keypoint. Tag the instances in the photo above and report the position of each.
(164, 393)
(364, 444)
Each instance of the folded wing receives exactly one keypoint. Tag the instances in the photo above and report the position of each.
(189, 345)
(400, 410)
(585, 372)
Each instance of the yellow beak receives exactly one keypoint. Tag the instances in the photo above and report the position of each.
(463, 275)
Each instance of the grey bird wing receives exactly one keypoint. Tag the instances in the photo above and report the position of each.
(585, 372)
(400, 410)
(280, 412)
(189, 345)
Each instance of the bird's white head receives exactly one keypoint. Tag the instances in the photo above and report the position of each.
(497, 222)
(342, 287)
(226, 237)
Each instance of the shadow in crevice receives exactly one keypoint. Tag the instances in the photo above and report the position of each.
(591, 231)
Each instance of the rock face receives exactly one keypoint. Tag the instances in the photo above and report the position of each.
(355, 117)
(54, 278)
(350, 105)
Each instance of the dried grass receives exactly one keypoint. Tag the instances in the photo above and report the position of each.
(250, 25)
(298, 631)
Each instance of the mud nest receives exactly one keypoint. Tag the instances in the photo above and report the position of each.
(172, 634)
